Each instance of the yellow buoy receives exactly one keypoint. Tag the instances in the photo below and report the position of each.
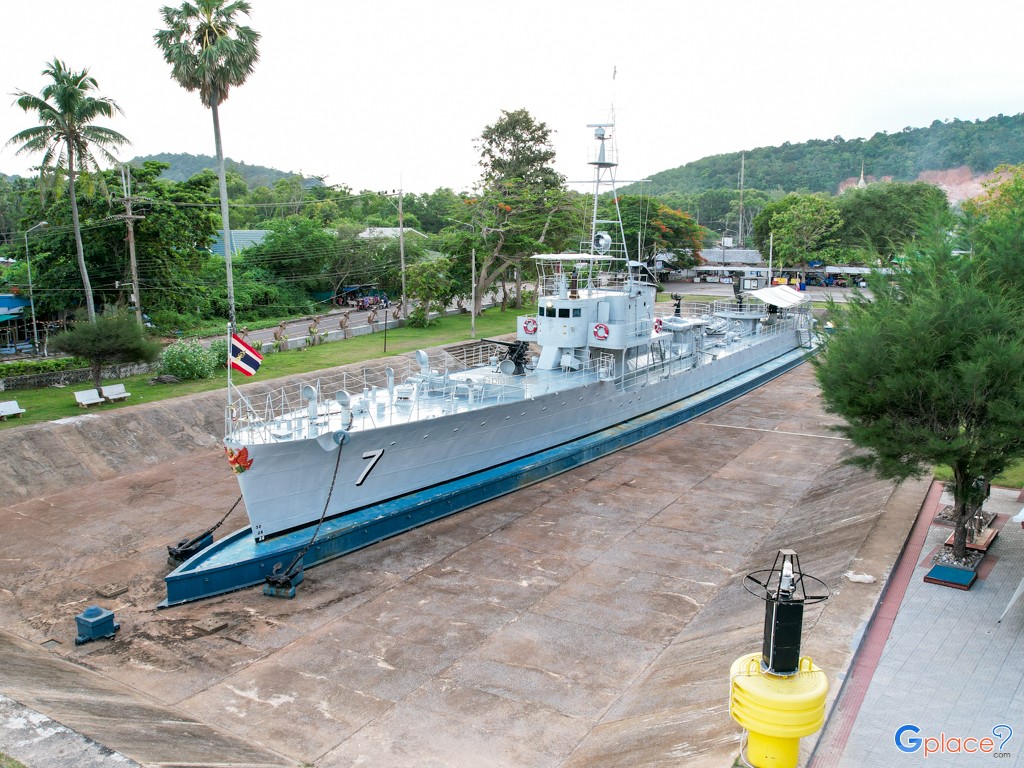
(775, 710)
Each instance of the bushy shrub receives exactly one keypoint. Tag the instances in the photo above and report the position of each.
(110, 338)
(218, 352)
(31, 367)
(167, 321)
(418, 318)
(188, 360)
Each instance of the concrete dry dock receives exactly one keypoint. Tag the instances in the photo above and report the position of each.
(589, 620)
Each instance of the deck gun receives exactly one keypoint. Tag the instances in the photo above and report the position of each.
(516, 353)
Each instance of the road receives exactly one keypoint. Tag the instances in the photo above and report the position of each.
(329, 321)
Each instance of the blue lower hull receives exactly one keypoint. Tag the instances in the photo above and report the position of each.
(238, 561)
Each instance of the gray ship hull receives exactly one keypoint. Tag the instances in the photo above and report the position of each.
(293, 483)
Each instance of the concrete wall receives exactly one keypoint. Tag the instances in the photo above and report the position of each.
(75, 376)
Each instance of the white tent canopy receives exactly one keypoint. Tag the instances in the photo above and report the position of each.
(840, 269)
(780, 296)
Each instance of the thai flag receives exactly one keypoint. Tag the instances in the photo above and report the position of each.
(243, 357)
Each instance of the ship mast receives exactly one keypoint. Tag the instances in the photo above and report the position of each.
(604, 174)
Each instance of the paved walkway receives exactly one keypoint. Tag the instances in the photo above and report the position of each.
(939, 660)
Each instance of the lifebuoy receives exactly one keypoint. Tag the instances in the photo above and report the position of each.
(530, 325)
(600, 331)
(657, 325)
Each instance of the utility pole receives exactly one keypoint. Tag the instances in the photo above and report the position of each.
(472, 306)
(401, 244)
(130, 220)
(401, 255)
(739, 229)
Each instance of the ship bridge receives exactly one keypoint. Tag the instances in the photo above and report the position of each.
(584, 301)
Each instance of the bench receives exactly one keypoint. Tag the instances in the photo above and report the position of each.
(115, 392)
(10, 408)
(87, 397)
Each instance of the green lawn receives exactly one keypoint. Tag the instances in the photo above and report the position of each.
(52, 403)
(1013, 477)
(9, 762)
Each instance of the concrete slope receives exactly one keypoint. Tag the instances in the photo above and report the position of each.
(122, 719)
(588, 620)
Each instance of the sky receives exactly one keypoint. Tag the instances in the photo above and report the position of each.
(393, 95)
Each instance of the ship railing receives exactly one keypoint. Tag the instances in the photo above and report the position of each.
(686, 308)
(723, 335)
(303, 401)
(472, 356)
(585, 286)
(487, 385)
(659, 364)
(506, 387)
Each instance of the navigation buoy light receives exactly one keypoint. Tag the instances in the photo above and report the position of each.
(777, 695)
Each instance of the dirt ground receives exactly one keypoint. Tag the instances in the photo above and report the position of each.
(589, 620)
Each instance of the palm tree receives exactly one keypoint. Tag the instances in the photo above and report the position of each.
(66, 137)
(210, 52)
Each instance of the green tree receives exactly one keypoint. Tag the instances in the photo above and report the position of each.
(806, 230)
(763, 221)
(171, 238)
(12, 211)
(520, 207)
(883, 218)
(516, 146)
(68, 139)
(659, 228)
(108, 339)
(713, 207)
(431, 286)
(296, 250)
(210, 52)
(374, 260)
(929, 371)
(995, 224)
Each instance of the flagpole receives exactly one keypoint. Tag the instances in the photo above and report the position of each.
(228, 363)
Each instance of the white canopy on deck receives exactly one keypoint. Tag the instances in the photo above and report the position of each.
(780, 296)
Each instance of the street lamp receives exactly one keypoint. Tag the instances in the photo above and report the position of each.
(31, 299)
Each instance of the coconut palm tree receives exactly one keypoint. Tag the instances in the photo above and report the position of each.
(68, 139)
(209, 52)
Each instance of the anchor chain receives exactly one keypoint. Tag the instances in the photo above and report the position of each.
(188, 547)
(284, 579)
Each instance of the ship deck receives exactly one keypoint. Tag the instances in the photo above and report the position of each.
(461, 392)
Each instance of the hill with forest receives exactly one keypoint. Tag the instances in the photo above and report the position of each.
(827, 165)
(184, 166)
